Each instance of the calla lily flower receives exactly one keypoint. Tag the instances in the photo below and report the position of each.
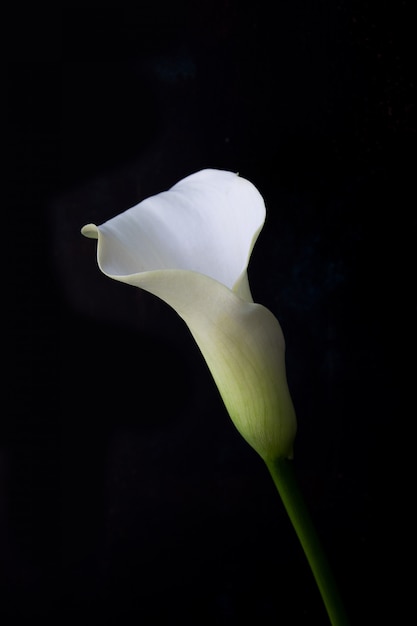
(190, 246)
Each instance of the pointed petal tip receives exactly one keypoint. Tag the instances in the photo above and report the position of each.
(90, 231)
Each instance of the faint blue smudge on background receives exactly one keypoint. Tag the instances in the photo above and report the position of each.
(178, 66)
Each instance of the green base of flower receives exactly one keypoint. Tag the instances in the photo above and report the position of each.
(283, 476)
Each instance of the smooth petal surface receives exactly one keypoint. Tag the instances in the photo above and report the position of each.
(242, 342)
(207, 223)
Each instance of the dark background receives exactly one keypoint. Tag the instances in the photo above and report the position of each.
(126, 495)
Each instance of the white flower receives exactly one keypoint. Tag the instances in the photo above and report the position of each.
(190, 246)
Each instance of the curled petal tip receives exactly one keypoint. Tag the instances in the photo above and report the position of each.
(90, 231)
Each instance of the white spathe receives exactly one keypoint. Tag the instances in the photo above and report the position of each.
(190, 246)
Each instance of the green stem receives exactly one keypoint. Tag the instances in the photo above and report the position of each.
(283, 476)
